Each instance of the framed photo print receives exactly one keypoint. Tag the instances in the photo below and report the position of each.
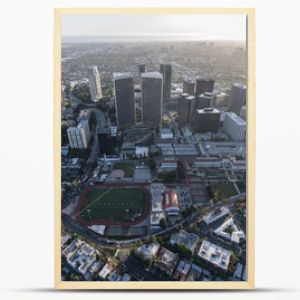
(154, 148)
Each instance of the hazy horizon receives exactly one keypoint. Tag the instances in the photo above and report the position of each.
(154, 27)
(78, 39)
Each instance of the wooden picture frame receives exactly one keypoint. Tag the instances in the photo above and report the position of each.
(250, 142)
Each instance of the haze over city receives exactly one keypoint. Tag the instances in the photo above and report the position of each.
(153, 148)
(135, 28)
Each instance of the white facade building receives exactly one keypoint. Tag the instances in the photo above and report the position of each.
(214, 254)
(234, 235)
(169, 164)
(79, 136)
(234, 126)
(207, 162)
(94, 83)
(166, 133)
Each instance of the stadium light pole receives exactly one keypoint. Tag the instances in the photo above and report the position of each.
(89, 211)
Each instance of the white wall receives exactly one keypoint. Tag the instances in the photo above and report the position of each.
(26, 243)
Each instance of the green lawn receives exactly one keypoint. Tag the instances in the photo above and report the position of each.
(223, 190)
(127, 167)
(214, 173)
(113, 204)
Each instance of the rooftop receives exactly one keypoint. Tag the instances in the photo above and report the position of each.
(156, 75)
(230, 231)
(208, 110)
(235, 118)
(216, 214)
(189, 240)
(167, 259)
(170, 200)
(241, 86)
(149, 251)
(118, 76)
(215, 255)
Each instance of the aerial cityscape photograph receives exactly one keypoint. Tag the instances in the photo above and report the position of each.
(153, 148)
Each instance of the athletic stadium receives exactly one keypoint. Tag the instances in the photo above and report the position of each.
(113, 206)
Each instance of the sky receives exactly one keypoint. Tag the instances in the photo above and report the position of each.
(156, 27)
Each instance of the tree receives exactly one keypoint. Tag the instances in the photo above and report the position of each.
(162, 223)
(151, 164)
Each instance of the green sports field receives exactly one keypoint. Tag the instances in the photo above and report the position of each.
(113, 205)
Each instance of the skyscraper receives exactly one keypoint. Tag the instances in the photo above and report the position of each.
(188, 86)
(185, 109)
(124, 99)
(243, 112)
(237, 98)
(94, 83)
(79, 136)
(142, 68)
(204, 100)
(166, 71)
(207, 120)
(152, 98)
(203, 85)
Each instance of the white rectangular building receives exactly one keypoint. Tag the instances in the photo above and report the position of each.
(166, 133)
(94, 83)
(79, 136)
(214, 254)
(234, 126)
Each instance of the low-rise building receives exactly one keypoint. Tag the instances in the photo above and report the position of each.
(171, 203)
(106, 270)
(188, 240)
(216, 214)
(166, 133)
(238, 272)
(80, 256)
(207, 162)
(166, 261)
(168, 164)
(214, 254)
(223, 148)
(166, 149)
(185, 149)
(142, 151)
(157, 214)
(142, 174)
(195, 273)
(148, 251)
(114, 276)
(126, 277)
(182, 270)
(230, 231)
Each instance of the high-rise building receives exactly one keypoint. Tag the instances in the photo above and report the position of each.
(79, 136)
(207, 120)
(152, 98)
(220, 99)
(203, 85)
(188, 86)
(94, 83)
(234, 126)
(124, 99)
(243, 113)
(166, 71)
(186, 106)
(204, 100)
(142, 68)
(237, 98)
